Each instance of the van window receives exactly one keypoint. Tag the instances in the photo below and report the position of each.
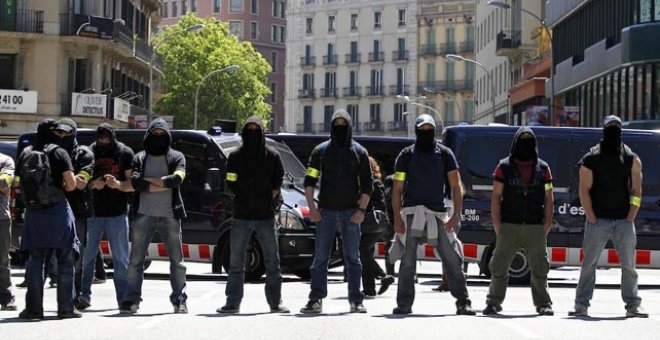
(290, 163)
(480, 156)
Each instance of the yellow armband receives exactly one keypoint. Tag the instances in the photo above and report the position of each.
(636, 201)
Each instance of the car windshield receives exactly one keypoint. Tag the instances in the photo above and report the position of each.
(294, 171)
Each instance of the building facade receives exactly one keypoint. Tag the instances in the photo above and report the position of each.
(506, 40)
(357, 55)
(447, 27)
(78, 57)
(262, 22)
(606, 58)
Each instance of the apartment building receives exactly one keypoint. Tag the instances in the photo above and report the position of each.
(606, 55)
(446, 27)
(506, 39)
(357, 55)
(261, 22)
(81, 58)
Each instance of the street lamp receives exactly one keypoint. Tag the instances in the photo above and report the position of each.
(503, 5)
(191, 29)
(434, 91)
(413, 102)
(230, 68)
(456, 57)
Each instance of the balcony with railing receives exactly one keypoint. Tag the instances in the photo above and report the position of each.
(447, 48)
(507, 42)
(374, 91)
(354, 91)
(306, 93)
(330, 92)
(323, 127)
(330, 59)
(447, 85)
(397, 125)
(466, 47)
(142, 50)
(308, 61)
(28, 21)
(400, 55)
(372, 126)
(352, 58)
(400, 89)
(376, 57)
(428, 50)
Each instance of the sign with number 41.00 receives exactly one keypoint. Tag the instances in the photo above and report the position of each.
(13, 101)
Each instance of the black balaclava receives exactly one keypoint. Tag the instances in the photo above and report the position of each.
(339, 133)
(525, 149)
(69, 142)
(611, 138)
(157, 145)
(253, 140)
(102, 146)
(425, 141)
(45, 133)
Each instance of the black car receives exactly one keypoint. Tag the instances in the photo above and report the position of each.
(209, 207)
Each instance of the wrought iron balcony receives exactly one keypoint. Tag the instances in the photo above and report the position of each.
(330, 59)
(400, 55)
(330, 92)
(354, 91)
(373, 91)
(400, 89)
(306, 93)
(29, 21)
(376, 57)
(308, 61)
(352, 58)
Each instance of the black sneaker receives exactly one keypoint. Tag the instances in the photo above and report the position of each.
(10, 305)
(279, 309)
(181, 308)
(228, 309)
(464, 307)
(491, 309)
(402, 310)
(358, 308)
(545, 310)
(22, 284)
(128, 307)
(74, 314)
(385, 283)
(25, 315)
(96, 281)
(313, 307)
(82, 303)
(637, 312)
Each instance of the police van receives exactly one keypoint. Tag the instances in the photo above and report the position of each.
(208, 205)
(478, 150)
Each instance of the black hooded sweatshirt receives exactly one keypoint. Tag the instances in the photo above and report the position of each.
(253, 172)
(523, 199)
(176, 164)
(343, 167)
(114, 160)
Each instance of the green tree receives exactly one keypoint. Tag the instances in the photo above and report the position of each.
(188, 57)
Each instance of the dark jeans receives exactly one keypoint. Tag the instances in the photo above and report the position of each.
(5, 277)
(241, 232)
(370, 268)
(169, 229)
(35, 280)
(331, 220)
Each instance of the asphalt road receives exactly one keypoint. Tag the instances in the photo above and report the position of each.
(433, 316)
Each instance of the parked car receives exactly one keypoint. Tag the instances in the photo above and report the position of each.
(209, 207)
(642, 125)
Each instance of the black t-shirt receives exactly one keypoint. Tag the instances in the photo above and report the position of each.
(81, 200)
(610, 194)
(425, 175)
(111, 202)
(59, 162)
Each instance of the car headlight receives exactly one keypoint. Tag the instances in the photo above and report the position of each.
(290, 220)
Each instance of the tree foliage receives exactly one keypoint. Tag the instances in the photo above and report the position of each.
(189, 56)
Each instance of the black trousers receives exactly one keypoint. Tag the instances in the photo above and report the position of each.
(370, 268)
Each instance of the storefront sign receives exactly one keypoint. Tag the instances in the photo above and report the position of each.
(90, 105)
(18, 101)
(121, 110)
